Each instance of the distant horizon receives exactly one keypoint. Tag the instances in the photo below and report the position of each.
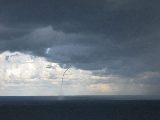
(79, 97)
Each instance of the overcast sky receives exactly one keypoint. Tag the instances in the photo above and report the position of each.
(113, 47)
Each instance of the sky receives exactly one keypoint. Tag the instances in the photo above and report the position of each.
(111, 47)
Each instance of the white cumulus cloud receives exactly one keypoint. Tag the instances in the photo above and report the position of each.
(25, 74)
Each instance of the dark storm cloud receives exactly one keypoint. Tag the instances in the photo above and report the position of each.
(121, 36)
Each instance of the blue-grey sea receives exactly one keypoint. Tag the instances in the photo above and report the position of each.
(80, 108)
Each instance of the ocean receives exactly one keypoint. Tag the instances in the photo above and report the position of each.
(79, 108)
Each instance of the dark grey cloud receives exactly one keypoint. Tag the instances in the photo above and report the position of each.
(121, 36)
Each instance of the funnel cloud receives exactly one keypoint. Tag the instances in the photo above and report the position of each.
(112, 45)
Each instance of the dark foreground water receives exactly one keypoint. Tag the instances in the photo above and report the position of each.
(52, 108)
